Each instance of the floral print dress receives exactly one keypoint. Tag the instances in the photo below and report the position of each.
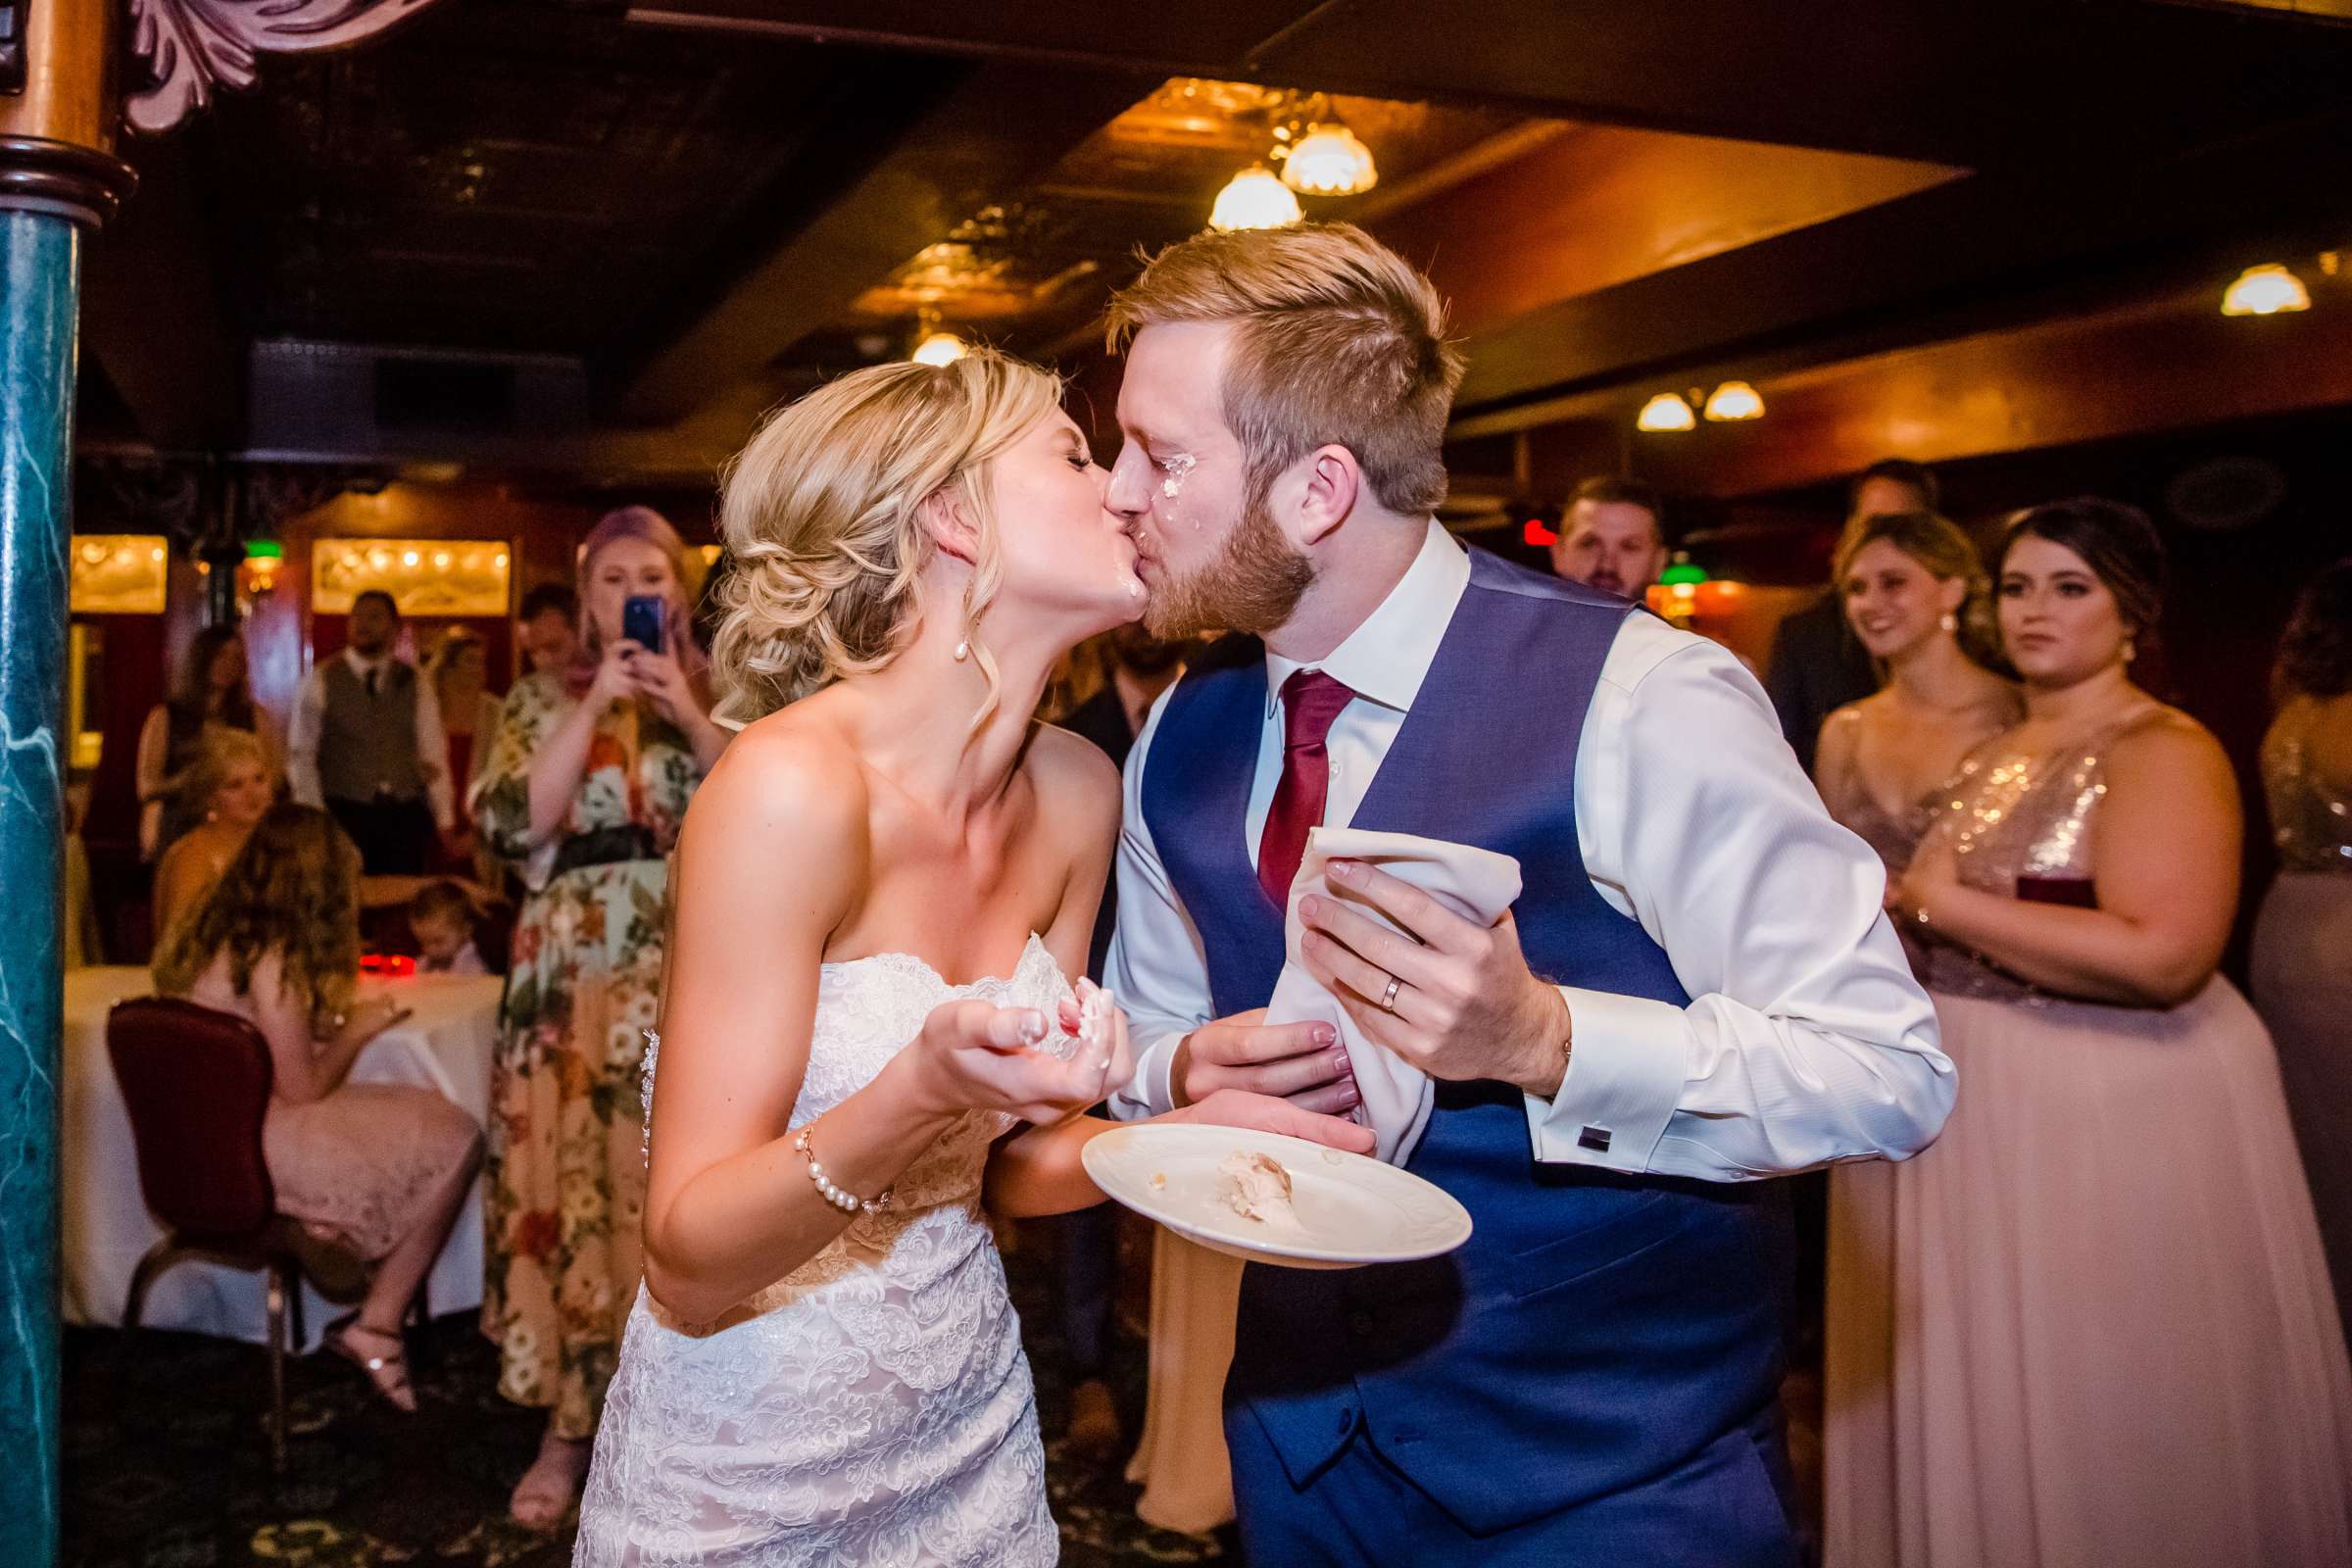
(565, 1179)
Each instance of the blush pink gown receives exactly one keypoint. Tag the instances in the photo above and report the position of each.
(2092, 1324)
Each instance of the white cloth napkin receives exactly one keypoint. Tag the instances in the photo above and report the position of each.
(1475, 884)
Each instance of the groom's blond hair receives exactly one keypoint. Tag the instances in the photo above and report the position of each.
(1338, 341)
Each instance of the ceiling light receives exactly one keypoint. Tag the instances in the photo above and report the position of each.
(1329, 161)
(939, 348)
(1255, 199)
(1665, 411)
(1734, 400)
(2264, 291)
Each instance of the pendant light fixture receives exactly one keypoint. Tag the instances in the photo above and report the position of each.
(1254, 198)
(2268, 290)
(1734, 400)
(1666, 412)
(1330, 161)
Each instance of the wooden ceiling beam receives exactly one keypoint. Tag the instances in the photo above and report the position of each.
(2014, 82)
(150, 311)
(1903, 270)
(1004, 123)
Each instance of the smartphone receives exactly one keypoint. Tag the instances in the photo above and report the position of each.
(641, 618)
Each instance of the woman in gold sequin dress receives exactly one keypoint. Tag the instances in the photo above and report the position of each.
(1916, 594)
(2110, 1337)
(2302, 968)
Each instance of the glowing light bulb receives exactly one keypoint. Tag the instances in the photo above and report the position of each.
(939, 348)
(1666, 412)
(441, 560)
(1329, 161)
(1735, 399)
(499, 560)
(155, 553)
(1255, 199)
(407, 557)
(2269, 290)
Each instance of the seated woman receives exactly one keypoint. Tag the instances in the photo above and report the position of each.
(211, 693)
(230, 781)
(382, 1167)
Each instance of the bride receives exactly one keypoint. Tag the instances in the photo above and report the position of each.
(881, 887)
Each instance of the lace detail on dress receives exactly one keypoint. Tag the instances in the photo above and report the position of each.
(871, 1407)
(645, 1091)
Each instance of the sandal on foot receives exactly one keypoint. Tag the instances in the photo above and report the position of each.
(388, 1374)
(544, 1496)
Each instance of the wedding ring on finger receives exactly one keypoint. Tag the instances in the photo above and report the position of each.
(1388, 997)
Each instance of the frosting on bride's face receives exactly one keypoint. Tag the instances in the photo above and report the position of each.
(1060, 548)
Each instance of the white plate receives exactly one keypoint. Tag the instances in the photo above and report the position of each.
(1352, 1210)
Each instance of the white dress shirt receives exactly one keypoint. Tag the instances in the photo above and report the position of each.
(1805, 1040)
(432, 745)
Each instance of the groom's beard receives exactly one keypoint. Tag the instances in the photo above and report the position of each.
(1253, 585)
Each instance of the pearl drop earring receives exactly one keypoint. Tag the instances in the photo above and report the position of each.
(1949, 622)
(963, 650)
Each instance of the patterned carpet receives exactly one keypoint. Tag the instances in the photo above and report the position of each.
(167, 1464)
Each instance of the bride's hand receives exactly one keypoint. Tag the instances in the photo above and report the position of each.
(1113, 1054)
(974, 1055)
(1239, 1108)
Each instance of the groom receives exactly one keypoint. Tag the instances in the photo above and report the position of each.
(1695, 989)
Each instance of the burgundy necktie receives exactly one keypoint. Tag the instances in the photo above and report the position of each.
(1310, 702)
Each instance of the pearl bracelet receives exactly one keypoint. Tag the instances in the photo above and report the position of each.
(848, 1203)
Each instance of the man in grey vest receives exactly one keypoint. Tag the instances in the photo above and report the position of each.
(366, 743)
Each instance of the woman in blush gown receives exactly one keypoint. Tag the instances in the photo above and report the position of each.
(2110, 1337)
(2302, 963)
(866, 1028)
(381, 1168)
(1916, 595)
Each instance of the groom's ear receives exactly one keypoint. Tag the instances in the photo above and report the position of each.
(1334, 482)
(947, 518)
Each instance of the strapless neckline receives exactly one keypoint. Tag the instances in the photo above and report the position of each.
(918, 968)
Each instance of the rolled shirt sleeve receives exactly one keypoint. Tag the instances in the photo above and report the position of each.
(1806, 1038)
(302, 740)
(1157, 966)
(432, 755)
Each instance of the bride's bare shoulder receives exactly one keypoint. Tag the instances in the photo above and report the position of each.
(791, 774)
(1074, 780)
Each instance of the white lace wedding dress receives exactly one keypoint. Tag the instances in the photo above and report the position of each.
(873, 1407)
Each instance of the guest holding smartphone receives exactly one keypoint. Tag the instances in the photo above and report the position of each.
(586, 784)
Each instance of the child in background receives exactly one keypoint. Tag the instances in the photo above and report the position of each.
(441, 917)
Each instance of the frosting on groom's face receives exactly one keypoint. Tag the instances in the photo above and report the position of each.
(1209, 560)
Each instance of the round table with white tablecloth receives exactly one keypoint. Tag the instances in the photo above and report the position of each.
(446, 1045)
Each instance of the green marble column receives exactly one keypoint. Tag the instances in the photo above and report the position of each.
(39, 265)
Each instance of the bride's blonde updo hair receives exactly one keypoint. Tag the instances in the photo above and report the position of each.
(819, 513)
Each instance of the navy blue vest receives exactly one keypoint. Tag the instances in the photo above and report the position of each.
(1597, 1330)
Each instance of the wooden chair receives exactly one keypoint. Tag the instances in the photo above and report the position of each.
(197, 1084)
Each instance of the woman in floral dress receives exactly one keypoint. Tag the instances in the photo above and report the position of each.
(586, 783)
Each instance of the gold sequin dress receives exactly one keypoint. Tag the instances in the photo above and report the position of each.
(2098, 1329)
(2302, 968)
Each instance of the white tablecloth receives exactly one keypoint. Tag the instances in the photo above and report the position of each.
(446, 1045)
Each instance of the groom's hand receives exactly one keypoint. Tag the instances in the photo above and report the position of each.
(1301, 1062)
(1464, 1004)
